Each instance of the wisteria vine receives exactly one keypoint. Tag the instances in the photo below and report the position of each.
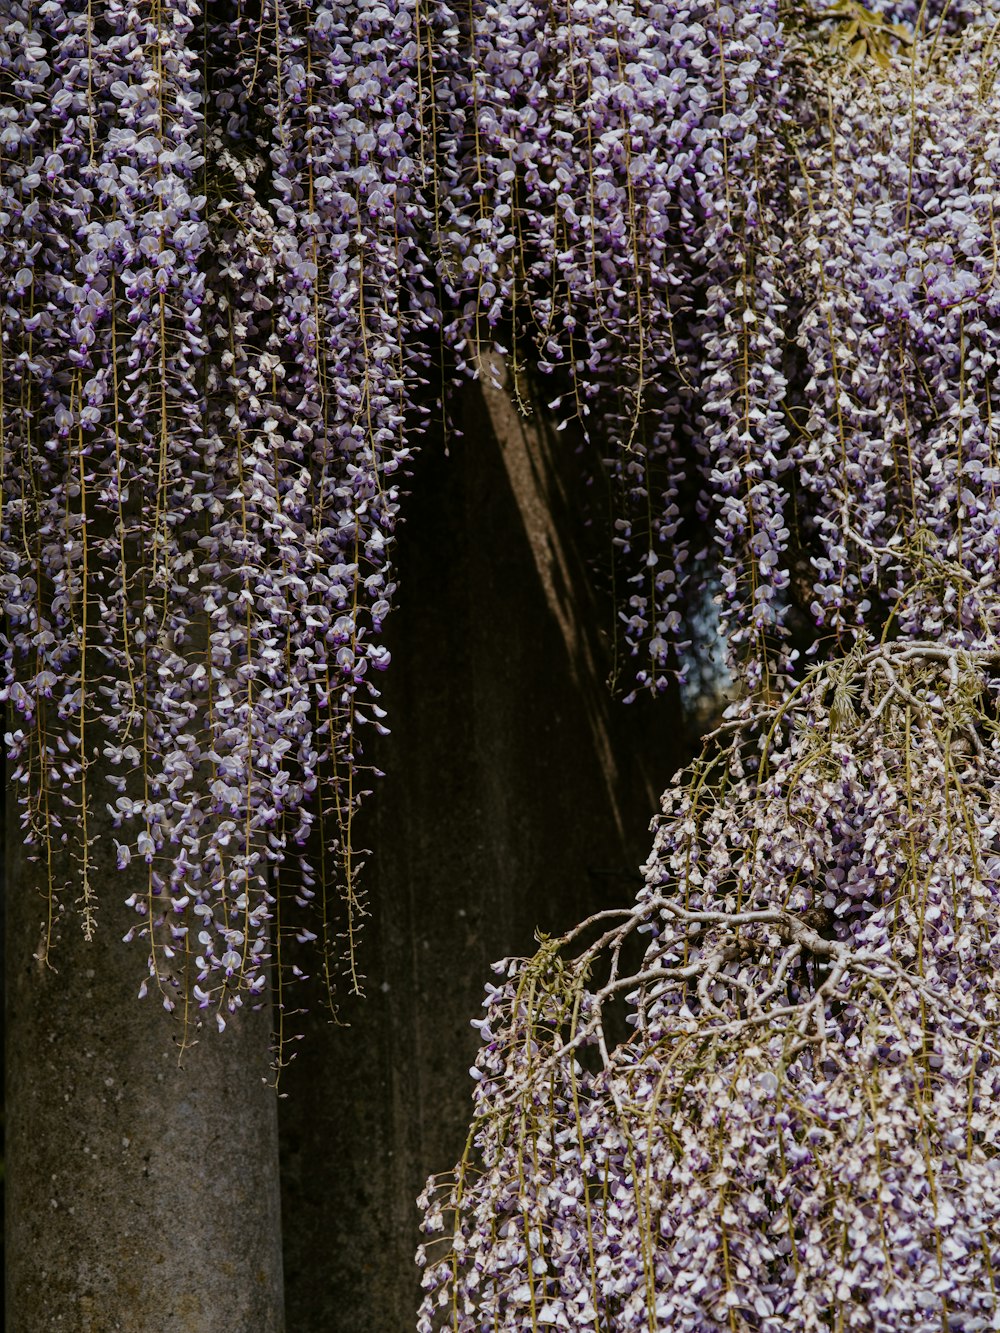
(214, 350)
(752, 245)
(799, 1131)
(250, 246)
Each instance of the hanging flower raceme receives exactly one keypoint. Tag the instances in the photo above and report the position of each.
(892, 272)
(331, 341)
(594, 157)
(231, 232)
(104, 342)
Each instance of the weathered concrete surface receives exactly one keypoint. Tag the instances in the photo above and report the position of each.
(141, 1196)
(518, 794)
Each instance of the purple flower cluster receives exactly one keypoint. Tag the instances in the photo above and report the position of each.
(597, 173)
(103, 341)
(761, 268)
(892, 273)
(801, 1129)
(925, 16)
(215, 342)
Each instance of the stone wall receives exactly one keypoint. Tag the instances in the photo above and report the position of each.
(142, 1189)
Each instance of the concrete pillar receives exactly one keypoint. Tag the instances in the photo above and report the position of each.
(517, 795)
(141, 1196)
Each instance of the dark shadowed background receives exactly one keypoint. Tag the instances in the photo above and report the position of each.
(517, 795)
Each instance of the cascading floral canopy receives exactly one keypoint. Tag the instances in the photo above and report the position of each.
(248, 246)
(800, 1131)
(247, 249)
(219, 226)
